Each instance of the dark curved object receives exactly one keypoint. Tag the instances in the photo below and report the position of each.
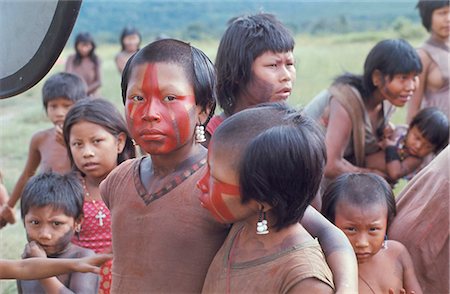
(55, 39)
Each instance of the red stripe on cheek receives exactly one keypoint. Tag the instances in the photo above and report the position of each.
(221, 208)
(183, 117)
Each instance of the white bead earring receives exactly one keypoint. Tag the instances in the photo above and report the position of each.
(261, 226)
(200, 134)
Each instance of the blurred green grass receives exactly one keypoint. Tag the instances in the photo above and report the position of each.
(318, 61)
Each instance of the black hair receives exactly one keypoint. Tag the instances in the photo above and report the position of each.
(63, 85)
(103, 113)
(426, 8)
(433, 124)
(279, 156)
(197, 66)
(85, 37)
(360, 189)
(283, 166)
(52, 189)
(128, 31)
(390, 57)
(246, 38)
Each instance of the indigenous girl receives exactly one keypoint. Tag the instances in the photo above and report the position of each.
(130, 39)
(85, 63)
(362, 205)
(433, 89)
(97, 141)
(355, 109)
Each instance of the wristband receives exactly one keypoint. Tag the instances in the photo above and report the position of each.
(391, 154)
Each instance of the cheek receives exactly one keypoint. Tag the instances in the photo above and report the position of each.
(182, 117)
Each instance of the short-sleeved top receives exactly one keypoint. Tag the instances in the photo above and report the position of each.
(160, 246)
(440, 55)
(276, 273)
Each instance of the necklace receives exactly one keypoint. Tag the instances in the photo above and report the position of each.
(367, 284)
(100, 214)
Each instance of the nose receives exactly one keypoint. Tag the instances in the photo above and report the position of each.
(45, 234)
(153, 111)
(88, 151)
(286, 74)
(361, 241)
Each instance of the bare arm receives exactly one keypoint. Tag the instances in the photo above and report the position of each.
(98, 79)
(337, 137)
(416, 99)
(69, 64)
(397, 169)
(410, 282)
(39, 268)
(33, 161)
(338, 250)
(311, 285)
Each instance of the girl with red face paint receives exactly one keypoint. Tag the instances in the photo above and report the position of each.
(262, 179)
(163, 241)
(97, 141)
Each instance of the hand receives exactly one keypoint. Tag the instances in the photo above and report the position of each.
(59, 135)
(388, 130)
(33, 249)
(7, 215)
(92, 263)
(402, 291)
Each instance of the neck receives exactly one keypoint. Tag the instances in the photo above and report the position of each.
(375, 102)
(166, 164)
(444, 41)
(93, 182)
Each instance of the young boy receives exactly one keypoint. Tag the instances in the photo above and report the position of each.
(52, 211)
(46, 149)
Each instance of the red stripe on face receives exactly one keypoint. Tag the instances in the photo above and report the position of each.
(150, 86)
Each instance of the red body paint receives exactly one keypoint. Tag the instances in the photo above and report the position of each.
(163, 119)
(213, 197)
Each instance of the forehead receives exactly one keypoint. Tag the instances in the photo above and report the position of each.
(86, 127)
(45, 211)
(221, 163)
(361, 213)
(60, 100)
(167, 74)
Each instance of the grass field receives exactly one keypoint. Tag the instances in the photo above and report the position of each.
(319, 60)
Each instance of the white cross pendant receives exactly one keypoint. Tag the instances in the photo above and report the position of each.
(100, 216)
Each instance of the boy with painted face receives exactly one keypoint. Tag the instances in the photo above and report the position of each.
(262, 178)
(52, 211)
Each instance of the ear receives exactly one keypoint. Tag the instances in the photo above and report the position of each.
(77, 224)
(203, 113)
(264, 206)
(121, 140)
(377, 78)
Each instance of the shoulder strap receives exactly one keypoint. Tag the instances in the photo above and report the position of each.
(352, 102)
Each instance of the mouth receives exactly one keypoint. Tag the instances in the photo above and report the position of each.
(363, 256)
(405, 98)
(151, 134)
(90, 166)
(284, 93)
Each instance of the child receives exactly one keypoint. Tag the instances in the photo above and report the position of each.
(97, 141)
(168, 91)
(263, 177)
(8, 215)
(257, 51)
(59, 93)
(52, 211)
(357, 107)
(130, 39)
(363, 206)
(41, 268)
(433, 89)
(404, 151)
(85, 63)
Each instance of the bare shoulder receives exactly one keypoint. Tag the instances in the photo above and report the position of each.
(396, 249)
(424, 57)
(42, 135)
(311, 285)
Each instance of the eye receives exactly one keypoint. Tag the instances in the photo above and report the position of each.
(96, 141)
(76, 144)
(34, 222)
(169, 98)
(350, 229)
(137, 98)
(57, 223)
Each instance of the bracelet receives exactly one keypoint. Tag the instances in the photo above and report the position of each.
(391, 154)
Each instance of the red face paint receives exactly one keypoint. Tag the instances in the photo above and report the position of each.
(160, 108)
(214, 196)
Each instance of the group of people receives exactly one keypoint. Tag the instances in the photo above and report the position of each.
(86, 64)
(259, 198)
